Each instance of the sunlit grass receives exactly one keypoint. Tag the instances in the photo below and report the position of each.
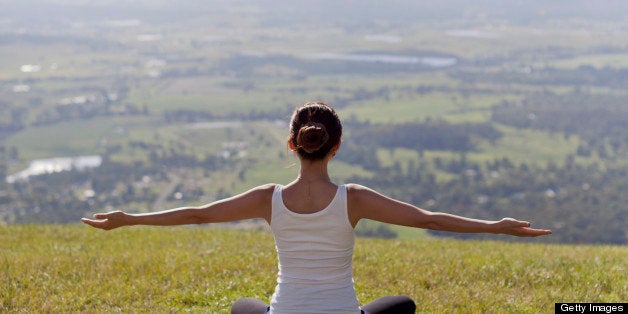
(531, 146)
(63, 139)
(72, 268)
(400, 108)
(79, 137)
(403, 110)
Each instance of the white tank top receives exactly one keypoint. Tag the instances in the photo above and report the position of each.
(315, 253)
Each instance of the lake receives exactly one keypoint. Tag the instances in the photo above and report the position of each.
(52, 165)
(436, 62)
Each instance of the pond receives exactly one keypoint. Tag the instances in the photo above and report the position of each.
(436, 62)
(52, 165)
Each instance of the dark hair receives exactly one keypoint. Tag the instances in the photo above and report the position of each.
(314, 130)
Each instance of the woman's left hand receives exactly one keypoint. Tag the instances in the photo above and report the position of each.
(108, 221)
(519, 228)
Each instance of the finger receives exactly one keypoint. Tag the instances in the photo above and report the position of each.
(523, 224)
(93, 223)
(544, 231)
(100, 216)
(517, 223)
(534, 232)
(88, 221)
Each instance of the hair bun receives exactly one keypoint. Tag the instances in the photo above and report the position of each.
(312, 136)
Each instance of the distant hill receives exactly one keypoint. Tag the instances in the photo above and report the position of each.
(486, 109)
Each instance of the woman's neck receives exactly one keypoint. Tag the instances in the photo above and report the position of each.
(311, 171)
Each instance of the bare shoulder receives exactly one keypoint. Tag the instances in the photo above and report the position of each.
(359, 196)
(360, 201)
(257, 196)
(265, 188)
(263, 192)
(256, 202)
(364, 202)
(357, 192)
(355, 188)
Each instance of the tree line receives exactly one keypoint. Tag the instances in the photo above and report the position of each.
(598, 120)
(582, 204)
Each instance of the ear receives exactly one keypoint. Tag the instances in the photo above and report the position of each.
(291, 146)
(335, 149)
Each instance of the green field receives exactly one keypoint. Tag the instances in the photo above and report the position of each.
(72, 268)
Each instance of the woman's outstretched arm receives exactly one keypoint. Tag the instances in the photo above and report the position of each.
(366, 203)
(255, 203)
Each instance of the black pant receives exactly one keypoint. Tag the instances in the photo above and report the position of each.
(400, 304)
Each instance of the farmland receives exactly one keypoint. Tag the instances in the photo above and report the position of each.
(517, 114)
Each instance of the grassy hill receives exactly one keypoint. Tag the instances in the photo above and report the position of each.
(72, 268)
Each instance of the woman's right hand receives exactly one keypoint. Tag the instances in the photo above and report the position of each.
(108, 221)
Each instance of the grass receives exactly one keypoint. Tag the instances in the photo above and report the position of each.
(403, 110)
(451, 107)
(529, 146)
(63, 139)
(80, 137)
(72, 268)
(220, 95)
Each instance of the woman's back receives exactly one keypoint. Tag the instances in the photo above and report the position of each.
(306, 197)
(315, 251)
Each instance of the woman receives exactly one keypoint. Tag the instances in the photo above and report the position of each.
(312, 220)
